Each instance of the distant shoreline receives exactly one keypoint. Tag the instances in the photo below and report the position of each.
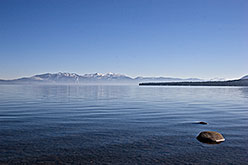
(240, 82)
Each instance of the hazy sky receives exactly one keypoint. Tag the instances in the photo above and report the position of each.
(177, 38)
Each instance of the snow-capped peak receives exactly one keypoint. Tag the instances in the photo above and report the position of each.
(110, 74)
(99, 74)
(245, 77)
(68, 74)
(94, 75)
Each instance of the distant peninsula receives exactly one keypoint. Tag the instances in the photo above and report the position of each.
(240, 82)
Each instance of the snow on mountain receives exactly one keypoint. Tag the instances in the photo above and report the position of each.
(93, 78)
(93, 75)
(106, 77)
(57, 77)
(245, 77)
(75, 78)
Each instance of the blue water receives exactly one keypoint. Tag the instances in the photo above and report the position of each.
(121, 124)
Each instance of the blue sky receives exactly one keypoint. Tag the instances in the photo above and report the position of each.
(176, 38)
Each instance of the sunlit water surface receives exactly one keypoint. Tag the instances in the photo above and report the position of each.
(121, 124)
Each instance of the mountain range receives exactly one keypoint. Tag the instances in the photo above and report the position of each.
(73, 78)
(91, 78)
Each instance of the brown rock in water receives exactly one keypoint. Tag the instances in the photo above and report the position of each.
(210, 137)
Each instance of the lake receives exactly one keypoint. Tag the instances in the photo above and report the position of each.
(121, 124)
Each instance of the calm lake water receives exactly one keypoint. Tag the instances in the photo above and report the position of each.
(121, 124)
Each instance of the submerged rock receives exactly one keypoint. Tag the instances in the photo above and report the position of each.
(210, 137)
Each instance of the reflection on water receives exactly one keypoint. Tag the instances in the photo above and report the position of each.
(58, 124)
(244, 92)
